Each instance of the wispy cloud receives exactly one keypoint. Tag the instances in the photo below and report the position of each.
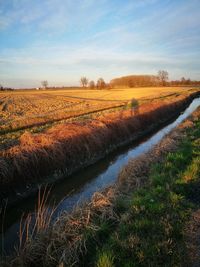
(56, 39)
(52, 15)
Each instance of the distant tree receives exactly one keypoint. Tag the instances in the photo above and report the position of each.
(92, 84)
(130, 83)
(135, 81)
(84, 81)
(1, 87)
(44, 84)
(108, 86)
(183, 80)
(101, 83)
(188, 82)
(163, 76)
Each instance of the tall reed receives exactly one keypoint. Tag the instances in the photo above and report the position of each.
(37, 222)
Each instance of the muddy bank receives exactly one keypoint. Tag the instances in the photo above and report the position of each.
(47, 158)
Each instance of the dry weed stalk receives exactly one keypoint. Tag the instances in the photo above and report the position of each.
(35, 223)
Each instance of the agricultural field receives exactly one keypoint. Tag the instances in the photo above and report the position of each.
(20, 108)
(119, 94)
(38, 110)
(42, 127)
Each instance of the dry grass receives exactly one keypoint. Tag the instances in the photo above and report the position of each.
(192, 238)
(39, 110)
(66, 241)
(67, 147)
(69, 240)
(123, 94)
(135, 173)
(35, 224)
(25, 109)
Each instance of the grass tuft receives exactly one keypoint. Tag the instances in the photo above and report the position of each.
(105, 259)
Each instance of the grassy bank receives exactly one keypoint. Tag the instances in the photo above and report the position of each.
(151, 229)
(152, 224)
(68, 147)
(140, 222)
(150, 232)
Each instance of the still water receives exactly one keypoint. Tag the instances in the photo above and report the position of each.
(80, 186)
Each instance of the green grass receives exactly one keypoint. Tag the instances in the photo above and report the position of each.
(105, 259)
(152, 219)
(142, 228)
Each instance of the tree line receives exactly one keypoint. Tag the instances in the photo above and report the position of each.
(100, 84)
(141, 80)
(5, 88)
(161, 79)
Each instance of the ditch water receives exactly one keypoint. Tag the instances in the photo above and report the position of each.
(80, 186)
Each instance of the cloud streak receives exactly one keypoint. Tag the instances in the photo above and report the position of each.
(62, 40)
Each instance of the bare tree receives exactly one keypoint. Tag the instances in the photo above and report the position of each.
(92, 84)
(163, 76)
(84, 81)
(101, 83)
(44, 84)
(1, 87)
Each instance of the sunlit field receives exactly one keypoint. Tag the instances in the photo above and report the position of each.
(41, 126)
(36, 110)
(122, 94)
(22, 109)
(27, 108)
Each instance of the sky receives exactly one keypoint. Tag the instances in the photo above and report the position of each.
(62, 40)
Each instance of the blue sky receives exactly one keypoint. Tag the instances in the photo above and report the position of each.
(62, 40)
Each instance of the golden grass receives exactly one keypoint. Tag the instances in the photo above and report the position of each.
(123, 94)
(30, 225)
(20, 109)
(27, 109)
(67, 147)
(64, 242)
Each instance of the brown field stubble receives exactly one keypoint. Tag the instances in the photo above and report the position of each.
(69, 146)
(24, 109)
